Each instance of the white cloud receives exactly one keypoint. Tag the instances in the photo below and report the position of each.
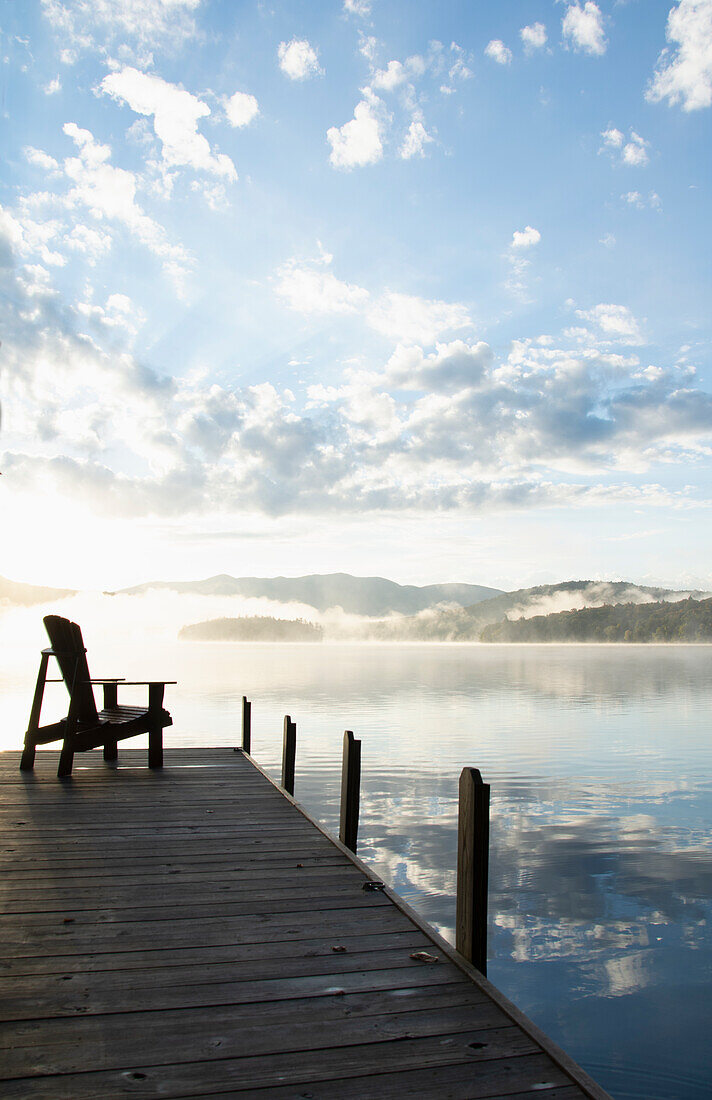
(89, 24)
(633, 152)
(533, 37)
(368, 47)
(357, 142)
(459, 70)
(684, 72)
(241, 108)
(612, 138)
(309, 288)
(411, 319)
(110, 193)
(40, 159)
(389, 78)
(452, 428)
(298, 60)
(415, 140)
(497, 51)
(92, 243)
(634, 198)
(52, 87)
(361, 8)
(525, 238)
(614, 321)
(450, 368)
(583, 27)
(175, 119)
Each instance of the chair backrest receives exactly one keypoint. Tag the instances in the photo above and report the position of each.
(68, 647)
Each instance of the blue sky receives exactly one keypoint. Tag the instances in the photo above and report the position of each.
(400, 288)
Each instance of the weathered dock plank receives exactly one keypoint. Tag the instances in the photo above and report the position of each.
(172, 934)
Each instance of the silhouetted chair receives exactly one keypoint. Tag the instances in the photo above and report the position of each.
(85, 727)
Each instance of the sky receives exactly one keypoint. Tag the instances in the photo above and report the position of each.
(383, 287)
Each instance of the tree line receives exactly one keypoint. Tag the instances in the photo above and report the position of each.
(688, 620)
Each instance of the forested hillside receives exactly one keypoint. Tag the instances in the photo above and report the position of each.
(688, 620)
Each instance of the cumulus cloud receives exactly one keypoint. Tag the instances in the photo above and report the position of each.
(40, 159)
(358, 142)
(241, 108)
(175, 115)
(53, 86)
(684, 70)
(533, 37)
(525, 238)
(497, 51)
(389, 78)
(415, 139)
(633, 152)
(441, 422)
(298, 59)
(583, 28)
(614, 321)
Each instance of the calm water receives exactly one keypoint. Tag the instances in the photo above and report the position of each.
(601, 833)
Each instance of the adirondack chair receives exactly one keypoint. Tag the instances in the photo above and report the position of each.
(85, 727)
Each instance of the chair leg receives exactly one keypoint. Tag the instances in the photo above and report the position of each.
(155, 747)
(111, 750)
(66, 760)
(27, 761)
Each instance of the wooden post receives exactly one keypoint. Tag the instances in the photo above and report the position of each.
(246, 725)
(289, 751)
(350, 791)
(472, 868)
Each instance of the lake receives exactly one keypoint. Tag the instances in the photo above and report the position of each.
(601, 819)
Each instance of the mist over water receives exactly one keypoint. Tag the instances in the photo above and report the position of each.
(601, 775)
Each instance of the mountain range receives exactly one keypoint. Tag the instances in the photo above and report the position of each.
(389, 611)
(371, 596)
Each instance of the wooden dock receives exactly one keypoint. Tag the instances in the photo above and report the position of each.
(191, 932)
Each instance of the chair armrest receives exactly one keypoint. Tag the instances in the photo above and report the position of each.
(140, 683)
(156, 689)
(106, 680)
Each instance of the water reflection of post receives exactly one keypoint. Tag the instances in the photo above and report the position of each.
(472, 868)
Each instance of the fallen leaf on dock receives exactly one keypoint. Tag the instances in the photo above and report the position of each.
(339, 950)
(424, 957)
(374, 884)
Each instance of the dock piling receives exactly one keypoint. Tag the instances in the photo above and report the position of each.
(350, 791)
(472, 868)
(246, 725)
(289, 751)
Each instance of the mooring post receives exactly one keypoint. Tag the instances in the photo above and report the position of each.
(246, 725)
(289, 751)
(350, 791)
(472, 868)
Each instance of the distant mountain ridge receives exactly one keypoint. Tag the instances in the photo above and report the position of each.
(369, 596)
(25, 595)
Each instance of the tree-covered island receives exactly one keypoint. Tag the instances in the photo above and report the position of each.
(254, 628)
